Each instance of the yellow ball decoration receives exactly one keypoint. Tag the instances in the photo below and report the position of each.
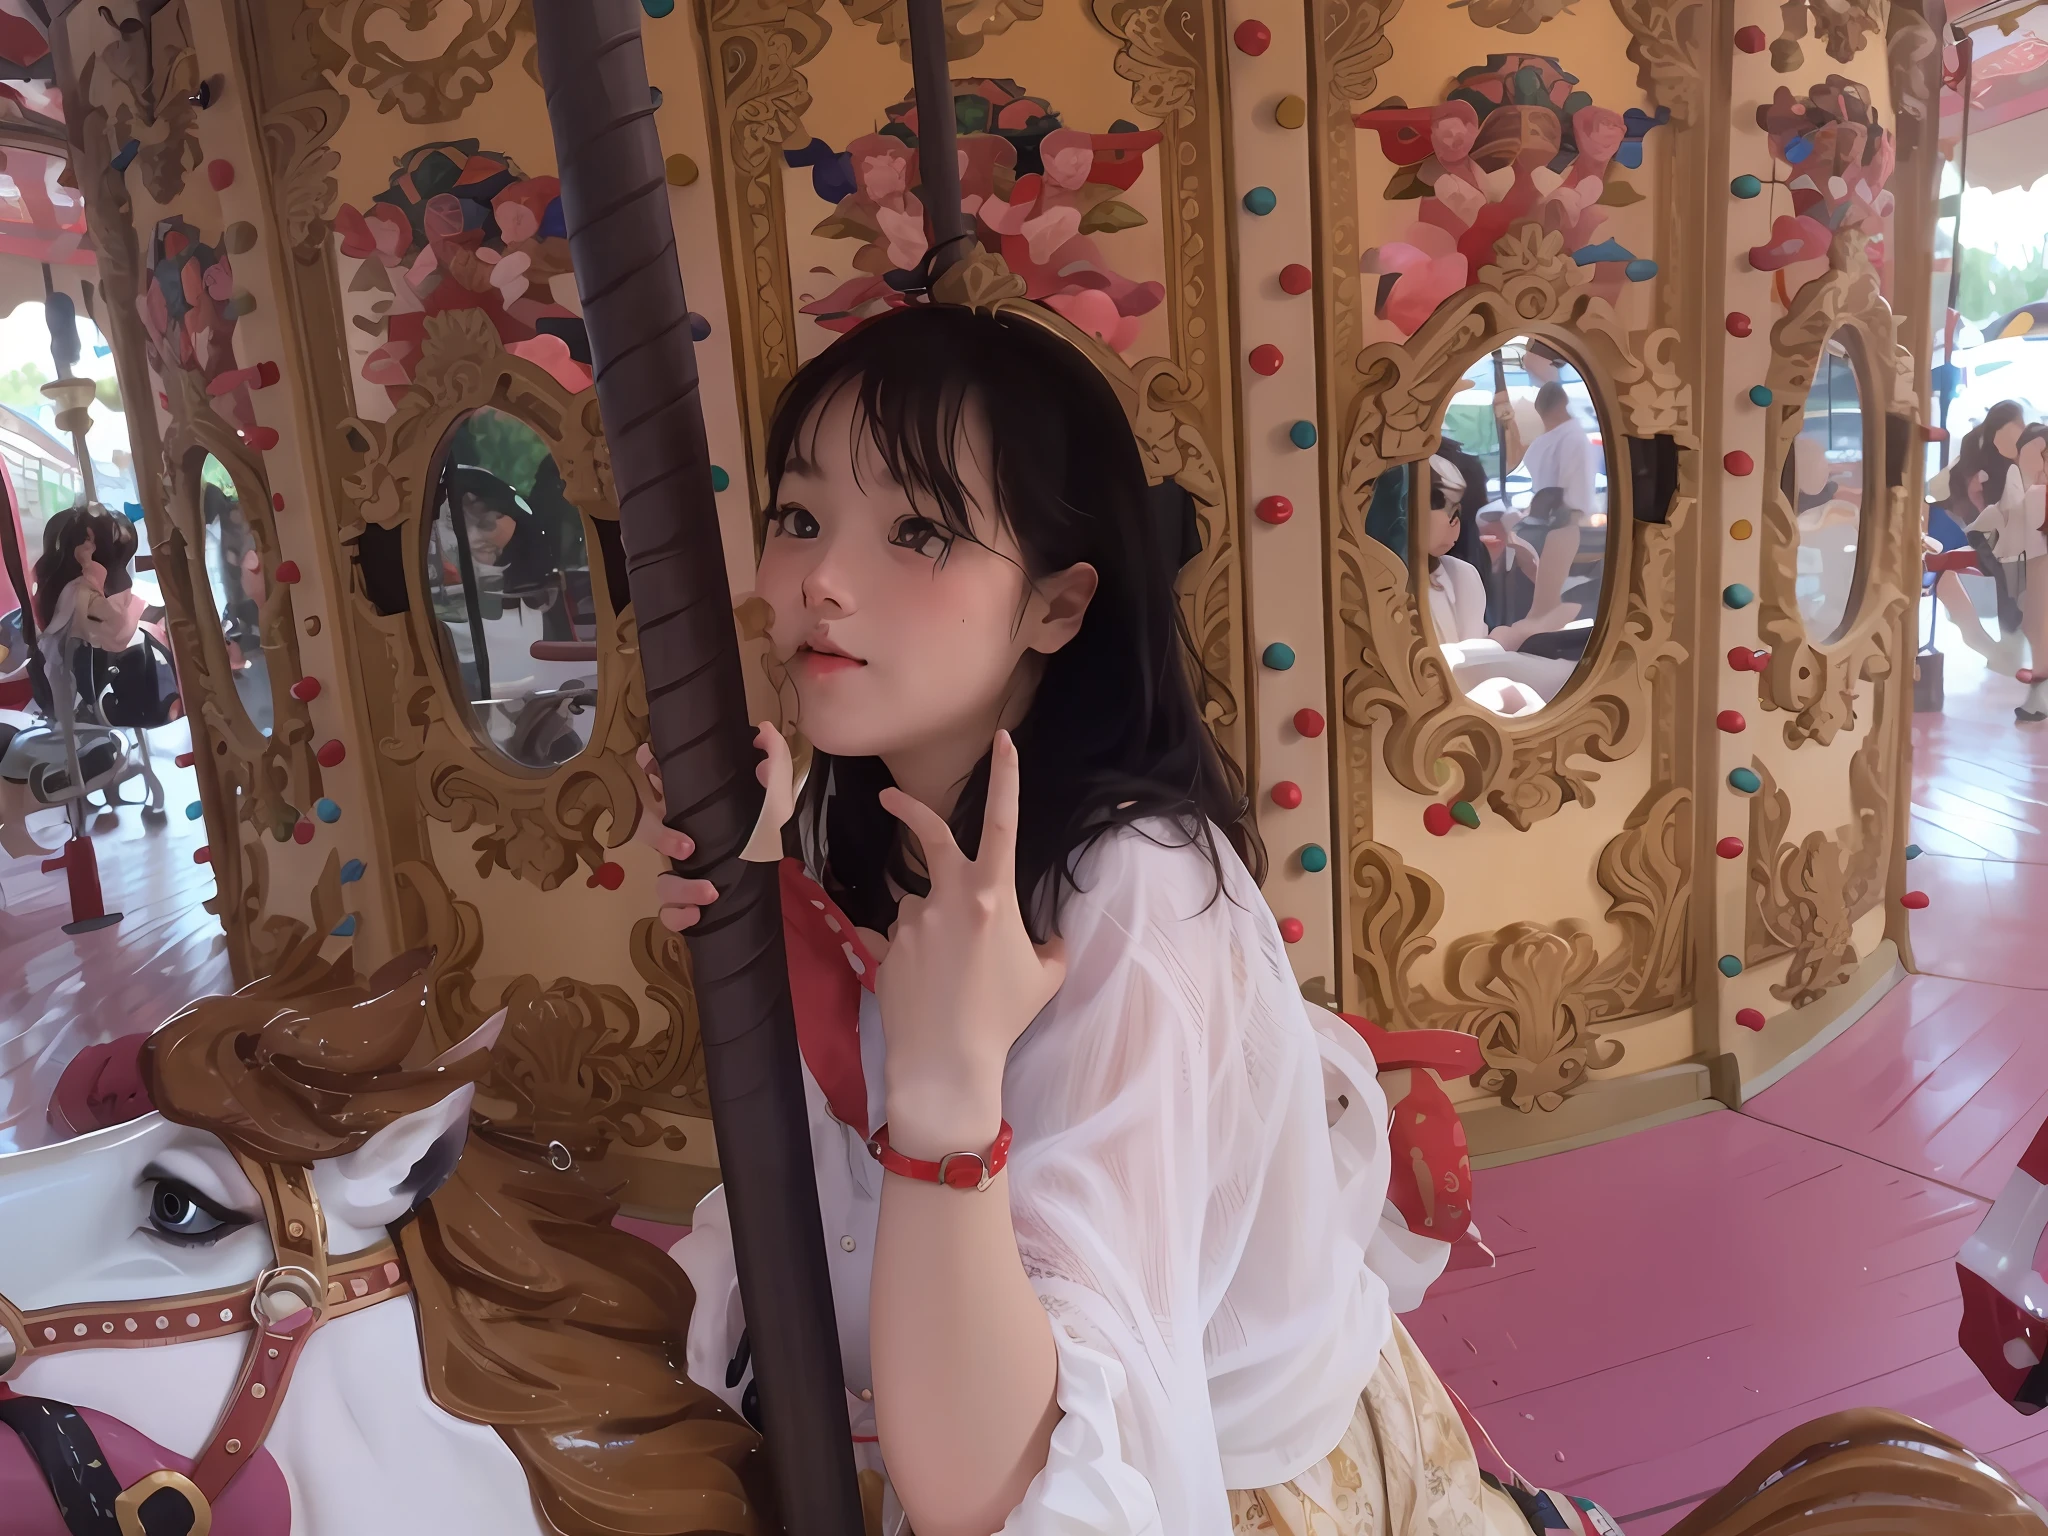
(1292, 112)
(682, 170)
(1740, 528)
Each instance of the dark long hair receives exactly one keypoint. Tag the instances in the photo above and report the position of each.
(1114, 733)
(1976, 455)
(59, 566)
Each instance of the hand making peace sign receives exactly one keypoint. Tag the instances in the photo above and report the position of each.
(962, 978)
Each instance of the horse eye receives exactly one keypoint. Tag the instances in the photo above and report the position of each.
(179, 1212)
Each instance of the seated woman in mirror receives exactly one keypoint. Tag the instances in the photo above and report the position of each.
(72, 600)
(1483, 659)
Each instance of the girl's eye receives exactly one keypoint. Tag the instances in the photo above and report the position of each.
(794, 522)
(180, 1213)
(922, 536)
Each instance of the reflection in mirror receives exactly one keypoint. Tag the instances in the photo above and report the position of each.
(1823, 483)
(1509, 542)
(508, 581)
(234, 574)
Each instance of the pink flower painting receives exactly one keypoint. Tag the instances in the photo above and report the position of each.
(1838, 160)
(1514, 141)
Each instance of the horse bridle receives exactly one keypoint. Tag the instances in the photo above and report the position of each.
(283, 1305)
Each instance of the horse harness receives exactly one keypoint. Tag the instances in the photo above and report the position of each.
(282, 1307)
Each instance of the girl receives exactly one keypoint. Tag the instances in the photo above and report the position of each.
(1169, 1311)
(71, 598)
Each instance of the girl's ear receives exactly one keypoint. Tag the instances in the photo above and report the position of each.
(1061, 601)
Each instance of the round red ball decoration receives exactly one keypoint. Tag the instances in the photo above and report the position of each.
(261, 439)
(1436, 819)
(1738, 463)
(1913, 901)
(1738, 324)
(185, 759)
(303, 832)
(1759, 661)
(306, 689)
(277, 501)
(609, 875)
(1751, 1018)
(1730, 720)
(267, 374)
(1274, 509)
(1291, 929)
(1751, 40)
(221, 174)
(1287, 795)
(1729, 847)
(1296, 279)
(288, 572)
(1252, 37)
(1266, 359)
(1309, 722)
(331, 754)
(202, 855)
(1742, 659)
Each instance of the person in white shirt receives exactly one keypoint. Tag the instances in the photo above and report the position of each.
(1169, 1314)
(1561, 495)
(2021, 545)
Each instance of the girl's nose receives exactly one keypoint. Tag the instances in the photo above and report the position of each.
(826, 586)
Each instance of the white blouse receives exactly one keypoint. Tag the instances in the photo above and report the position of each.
(1198, 1184)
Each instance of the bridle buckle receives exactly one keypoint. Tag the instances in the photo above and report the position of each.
(285, 1291)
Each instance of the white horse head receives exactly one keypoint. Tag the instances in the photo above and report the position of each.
(154, 1224)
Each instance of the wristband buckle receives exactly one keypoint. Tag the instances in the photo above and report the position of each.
(985, 1174)
(974, 1170)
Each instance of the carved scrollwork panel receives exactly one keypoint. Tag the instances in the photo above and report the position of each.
(539, 826)
(1392, 673)
(426, 59)
(297, 137)
(1816, 681)
(1665, 42)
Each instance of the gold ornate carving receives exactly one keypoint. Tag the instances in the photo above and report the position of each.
(1534, 994)
(583, 1069)
(1391, 672)
(1519, 16)
(142, 74)
(1913, 53)
(539, 827)
(303, 165)
(428, 59)
(1664, 45)
(969, 23)
(1354, 46)
(1842, 26)
(1799, 897)
(1815, 681)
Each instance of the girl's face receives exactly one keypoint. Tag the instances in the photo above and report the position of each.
(2007, 438)
(2033, 461)
(1443, 530)
(903, 640)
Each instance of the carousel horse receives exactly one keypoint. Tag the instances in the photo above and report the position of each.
(298, 1296)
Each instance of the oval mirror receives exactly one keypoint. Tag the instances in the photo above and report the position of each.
(1508, 543)
(508, 586)
(1822, 482)
(236, 579)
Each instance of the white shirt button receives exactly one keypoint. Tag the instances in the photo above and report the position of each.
(867, 1394)
(847, 1244)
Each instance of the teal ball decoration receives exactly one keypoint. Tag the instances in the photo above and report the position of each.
(1912, 850)
(1744, 781)
(1730, 966)
(1314, 860)
(1641, 270)
(719, 478)
(658, 8)
(194, 811)
(1260, 201)
(1302, 434)
(1759, 395)
(1736, 595)
(1277, 656)
(345, 927)
(352, 871)
(1745, 186)
(327, 811)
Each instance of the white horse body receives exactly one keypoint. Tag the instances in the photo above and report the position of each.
(362, 1447)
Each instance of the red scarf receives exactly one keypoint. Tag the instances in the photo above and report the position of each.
(829, 967)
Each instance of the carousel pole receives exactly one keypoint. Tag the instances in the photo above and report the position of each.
(622, 239)
(938, 156)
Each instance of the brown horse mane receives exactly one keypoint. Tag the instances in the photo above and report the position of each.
(536, 1315)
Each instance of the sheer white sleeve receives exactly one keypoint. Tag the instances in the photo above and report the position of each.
(1177, 1207)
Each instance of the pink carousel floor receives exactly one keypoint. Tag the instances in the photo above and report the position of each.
(1667, 1304)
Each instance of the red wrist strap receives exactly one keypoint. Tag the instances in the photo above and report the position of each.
(956, 1170)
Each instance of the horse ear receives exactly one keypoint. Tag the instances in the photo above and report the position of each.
(403, 1164)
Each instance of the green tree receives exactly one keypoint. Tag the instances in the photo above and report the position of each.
(1991, 288)
(23, 388)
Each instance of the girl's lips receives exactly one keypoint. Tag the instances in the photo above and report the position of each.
(824, 663)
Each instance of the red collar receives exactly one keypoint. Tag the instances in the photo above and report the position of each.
(829, 967)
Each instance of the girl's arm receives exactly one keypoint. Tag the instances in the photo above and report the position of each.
(964, 1363)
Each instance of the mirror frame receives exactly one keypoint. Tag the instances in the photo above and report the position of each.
(540, 825)
(1386, 663)
(1619, 530)
(1816, 680)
